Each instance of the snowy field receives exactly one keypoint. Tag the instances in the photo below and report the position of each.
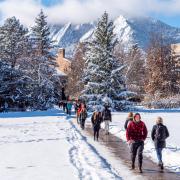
(171, 155)
(48, 146)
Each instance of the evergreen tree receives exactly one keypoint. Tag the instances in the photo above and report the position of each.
(103, 73)
(14, 86)
(12, 38)
(44, 63)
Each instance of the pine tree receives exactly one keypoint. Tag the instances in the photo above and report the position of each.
(12, 38)
(103, 73)
(14, 86)
(44, 63)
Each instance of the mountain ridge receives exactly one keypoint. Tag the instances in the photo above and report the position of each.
(128, 30)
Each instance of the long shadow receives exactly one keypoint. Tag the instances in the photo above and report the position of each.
(107, 165)
(150, 111)
(53, 112)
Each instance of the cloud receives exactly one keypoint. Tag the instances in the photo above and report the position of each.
(79, 11)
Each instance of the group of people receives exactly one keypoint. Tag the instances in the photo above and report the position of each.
(136, 130)
(136, 133)
(97, 118)
(4, 107)
(67, 106)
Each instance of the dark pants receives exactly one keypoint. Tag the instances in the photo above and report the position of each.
(69, 111)
(82, 123)
(137, 148)
(159, 154)
(96, 133)
(64, 107)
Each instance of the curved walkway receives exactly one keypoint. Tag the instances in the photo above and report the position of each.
(120, 151)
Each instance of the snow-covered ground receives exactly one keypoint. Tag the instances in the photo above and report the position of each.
(48, 146)
(171, 155)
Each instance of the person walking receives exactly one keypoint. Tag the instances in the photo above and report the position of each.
(128, 120)
(69, 107)
(106, 116)
(5, 107)
(96, 120)
(78, 110)
(65, 106)
(159, 134)
(136, 133)
(83, 115)
(60, 104)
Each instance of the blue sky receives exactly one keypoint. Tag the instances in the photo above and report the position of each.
(80, 11)
(173, 20)
(51, 2)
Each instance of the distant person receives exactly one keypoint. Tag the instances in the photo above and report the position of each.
(128, 120)
(106, 116)
(65, 106)
(159, 134)
(69, 107)
(60, 104)
(5, 107)
(136, 133)
(76, 104)
(96, 120)
(77, 108)
(83, 115)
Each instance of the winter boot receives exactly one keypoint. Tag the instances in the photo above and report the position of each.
(162, 166)
(132, 166)
(140, 169)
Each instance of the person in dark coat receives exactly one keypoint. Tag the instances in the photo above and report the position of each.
(82, 117)
(65, 106)
(96, 120)
(136, 133)
(128, 120)
(159, 134)
(107, 117)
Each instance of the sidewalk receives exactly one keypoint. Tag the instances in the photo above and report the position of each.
(120, 151)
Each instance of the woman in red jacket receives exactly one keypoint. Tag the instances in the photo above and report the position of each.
(136, 134)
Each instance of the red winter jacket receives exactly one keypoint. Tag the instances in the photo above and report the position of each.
(136, 131)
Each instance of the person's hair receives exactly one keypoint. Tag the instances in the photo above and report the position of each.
(137, 114)
(130, 115)
(96, 114)
(159, 120)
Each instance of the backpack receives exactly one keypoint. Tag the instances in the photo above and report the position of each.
(160, 133)
(107, 114)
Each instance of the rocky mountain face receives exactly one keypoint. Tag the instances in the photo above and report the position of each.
(128, 31)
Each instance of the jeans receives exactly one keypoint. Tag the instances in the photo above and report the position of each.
(82, 123)
(159, 154)
(96, 134)
(106, 126)
(137, 148)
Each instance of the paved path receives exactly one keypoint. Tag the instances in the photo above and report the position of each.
(121, 152)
